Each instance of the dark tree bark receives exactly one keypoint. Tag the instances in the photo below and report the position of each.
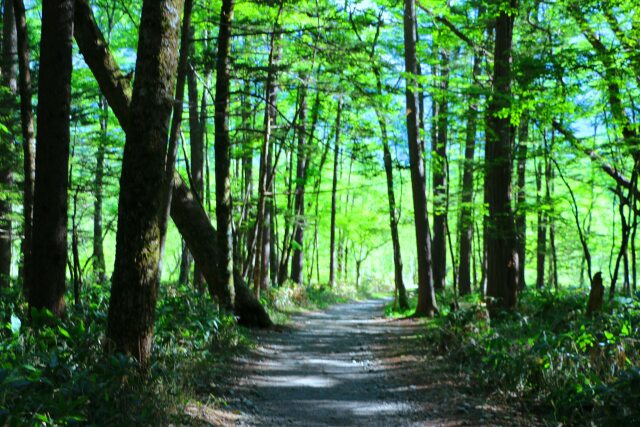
(223, 150)
(7, 163)
(521, 216)
(98, 252)
(502, 257)
(426, 297)
(465, 226)
(186, 210)
(141, 203)
(28, 142)
(439, 166)
(334, 185)
(201, 238)
(541, 243)
(49, 251)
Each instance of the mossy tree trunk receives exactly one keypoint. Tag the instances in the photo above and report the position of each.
(140, 207)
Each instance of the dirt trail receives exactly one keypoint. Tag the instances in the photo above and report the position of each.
(348, 366)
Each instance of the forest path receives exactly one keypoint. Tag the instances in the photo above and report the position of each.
(350, 366)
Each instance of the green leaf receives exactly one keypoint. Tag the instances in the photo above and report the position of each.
(64, 332)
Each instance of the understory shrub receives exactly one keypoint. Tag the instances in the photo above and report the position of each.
(551, 355)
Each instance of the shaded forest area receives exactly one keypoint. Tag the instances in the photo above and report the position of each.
(173, 171)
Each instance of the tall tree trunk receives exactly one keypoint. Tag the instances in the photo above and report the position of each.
(334, 185)
(196, 139)
(99, 267)
(465, 226)
(426, 297)
(502, 257)
(246, 232)
(28, 143)
(261, 272)
(541, 245)
(401, 292)
(521, 216)
(141, 202)
(223, 151)
(7, 164)
(297, 262)
(439, 167)
(49, 250)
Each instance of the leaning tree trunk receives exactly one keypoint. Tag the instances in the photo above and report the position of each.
(439, 168)
(28, 143)
(49, 250)
(201, 238)
(502, 257)
(141, 203)
(426, 297)
(7, 165)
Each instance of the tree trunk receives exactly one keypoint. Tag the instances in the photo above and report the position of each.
(99, 267)
(401, 292)
(223, 151)
(439, 167)
(28, 143)
(541, 245)
(49, 250)
(297, 262)
(196, 139)
(201, 238)
(334, 185)
(502, 257)
(141, 203)
(261, 272)
(465, 226)
(7, 164)
(521, 217)
(426, 297)
(185, 266)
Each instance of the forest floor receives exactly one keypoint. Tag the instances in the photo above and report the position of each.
(350, 366)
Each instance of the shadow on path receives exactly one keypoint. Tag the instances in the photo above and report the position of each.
(348, 366)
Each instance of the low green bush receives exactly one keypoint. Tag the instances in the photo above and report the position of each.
(550, 355)
(56, 372)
